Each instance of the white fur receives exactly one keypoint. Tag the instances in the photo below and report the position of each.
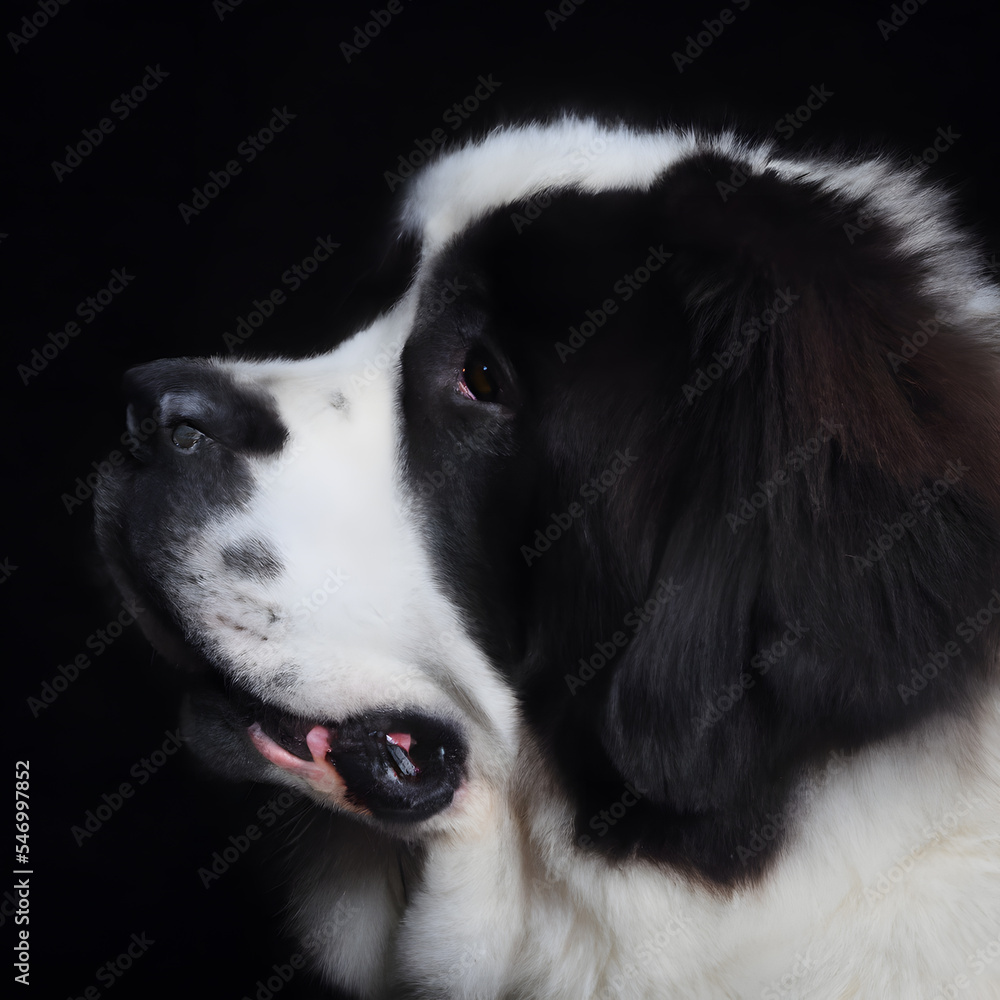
(888, 887)
(524, 161)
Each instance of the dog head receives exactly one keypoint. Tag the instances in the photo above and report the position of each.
(678, 454)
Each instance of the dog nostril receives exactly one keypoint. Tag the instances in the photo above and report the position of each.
(401, 761)
(186, 437)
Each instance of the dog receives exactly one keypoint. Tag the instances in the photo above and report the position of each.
(627, 592)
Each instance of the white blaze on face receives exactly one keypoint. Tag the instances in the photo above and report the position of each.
(353, 621)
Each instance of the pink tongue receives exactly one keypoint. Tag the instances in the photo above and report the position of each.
(400, 739)
(319, 772)
(318, 741)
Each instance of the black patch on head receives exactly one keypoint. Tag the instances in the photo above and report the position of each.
(516, 294)
(252, 558)
(663, 531)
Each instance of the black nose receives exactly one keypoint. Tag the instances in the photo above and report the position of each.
(402, 768)
(193, 401)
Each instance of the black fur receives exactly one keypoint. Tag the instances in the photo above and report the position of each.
(773, 605)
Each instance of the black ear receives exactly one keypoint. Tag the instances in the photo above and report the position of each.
(825, 494)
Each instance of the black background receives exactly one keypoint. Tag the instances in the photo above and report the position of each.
(323, 176)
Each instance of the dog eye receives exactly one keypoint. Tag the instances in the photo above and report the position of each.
(481, 378)
(186, 437)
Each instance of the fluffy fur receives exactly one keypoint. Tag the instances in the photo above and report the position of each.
(665, 507)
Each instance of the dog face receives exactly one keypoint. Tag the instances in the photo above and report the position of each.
(675, 462)
(348, 641)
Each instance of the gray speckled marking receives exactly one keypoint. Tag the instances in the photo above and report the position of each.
(252, 558)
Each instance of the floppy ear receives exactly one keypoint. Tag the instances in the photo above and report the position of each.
(826, 496)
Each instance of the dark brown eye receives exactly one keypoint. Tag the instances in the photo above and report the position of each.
(481, 378)
(186, 437)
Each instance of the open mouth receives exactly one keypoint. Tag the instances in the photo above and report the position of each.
(401, 767)
(398, 766)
